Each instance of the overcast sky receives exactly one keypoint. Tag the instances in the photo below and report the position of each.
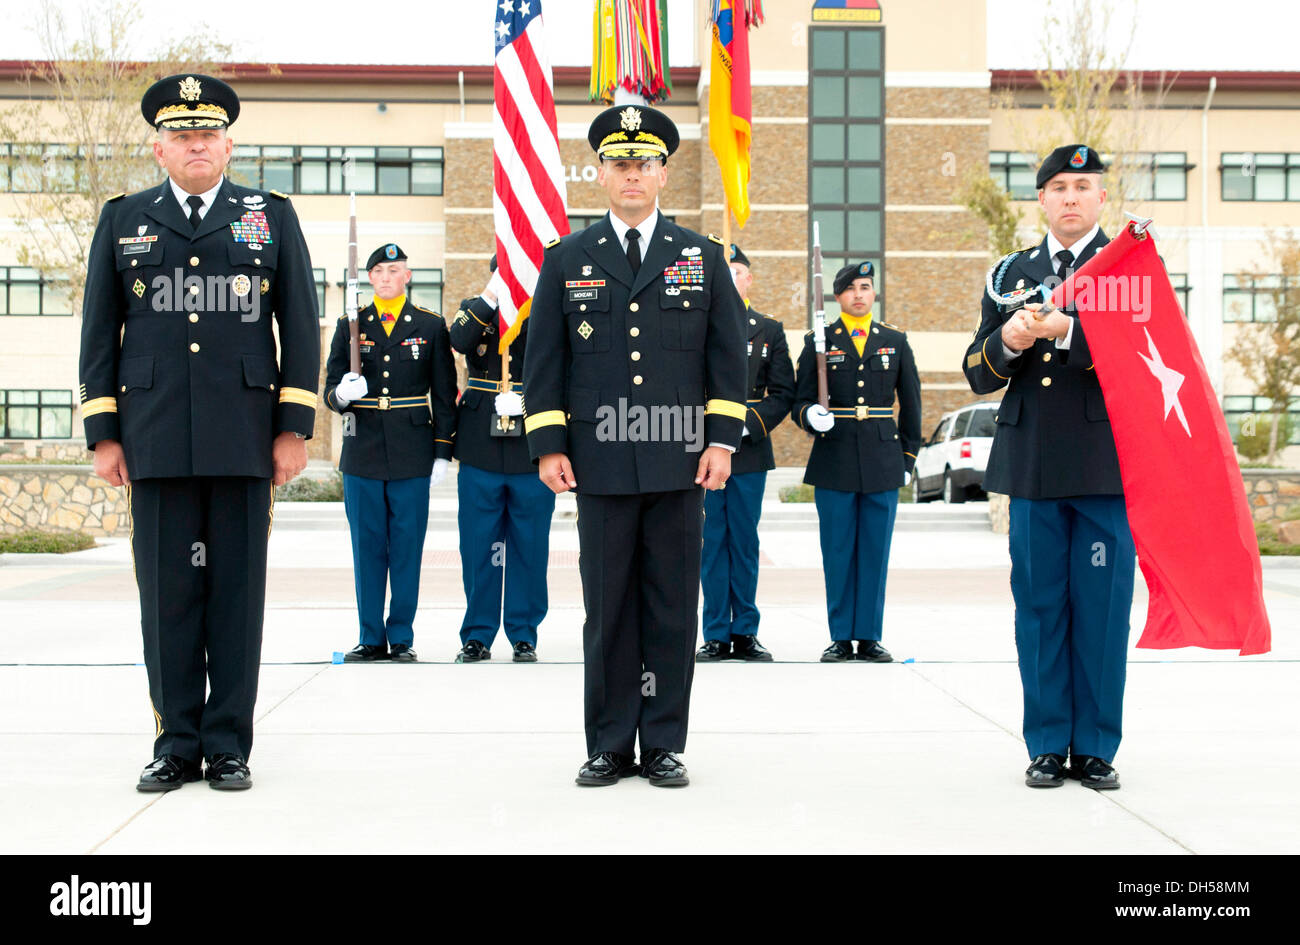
(1171, 34)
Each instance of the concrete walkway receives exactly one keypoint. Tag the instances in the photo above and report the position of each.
(923, 755)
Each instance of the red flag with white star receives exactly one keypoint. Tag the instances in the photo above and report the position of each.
(1186, 502)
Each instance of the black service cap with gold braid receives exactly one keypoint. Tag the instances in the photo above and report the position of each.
(637, 132)
(190, 101)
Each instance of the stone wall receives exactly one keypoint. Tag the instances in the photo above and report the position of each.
(37, 451)
(60, 499)
(1273, 494)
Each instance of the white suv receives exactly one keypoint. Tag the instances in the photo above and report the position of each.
(951, 463)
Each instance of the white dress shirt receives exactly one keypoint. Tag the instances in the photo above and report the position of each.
(646, 228)
(183, 195)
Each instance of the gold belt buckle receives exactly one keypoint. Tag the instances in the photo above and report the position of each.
(385, 403)
(861, 411)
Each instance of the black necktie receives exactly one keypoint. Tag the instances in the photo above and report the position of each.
(634, 250)
(196, 204)
(1065, 258)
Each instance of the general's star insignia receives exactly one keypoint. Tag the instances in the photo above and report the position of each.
(1170, 382)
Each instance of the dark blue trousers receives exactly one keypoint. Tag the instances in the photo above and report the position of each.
(856, 531)
(388, 519)
(729, 559)
(505, 539)
(1072, 579)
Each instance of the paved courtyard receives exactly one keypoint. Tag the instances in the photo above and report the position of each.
(922, 755)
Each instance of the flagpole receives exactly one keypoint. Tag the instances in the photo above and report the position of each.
(726, 226)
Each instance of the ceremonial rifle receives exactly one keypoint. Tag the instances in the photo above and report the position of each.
(819, 319)
(351, 291)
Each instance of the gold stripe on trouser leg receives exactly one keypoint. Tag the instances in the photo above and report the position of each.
(270, 512)
(157, 721)
(130, 518)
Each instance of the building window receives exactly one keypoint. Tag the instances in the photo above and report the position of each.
(1157, 175)
(1181, 289)
(1251, 298)
(338, 170)
(846, 182)
(35, 414)
(24, 292)
(1249, 176)
(319, 276)
(1237, 409)
(1014, 172)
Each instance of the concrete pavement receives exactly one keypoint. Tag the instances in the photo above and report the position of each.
(922, 755)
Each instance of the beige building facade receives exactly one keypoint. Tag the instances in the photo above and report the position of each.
(868, 127)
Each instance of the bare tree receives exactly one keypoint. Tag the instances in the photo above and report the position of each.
(78, 136)
(1268, 352)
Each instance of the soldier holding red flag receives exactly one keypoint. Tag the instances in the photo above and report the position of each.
(1072, 555)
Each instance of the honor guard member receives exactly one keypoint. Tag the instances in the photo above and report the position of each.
(1053, 453)
(860, 458)
(729, 559)
(394, 449)
(184, 402)
(634, 394)
(504, 508)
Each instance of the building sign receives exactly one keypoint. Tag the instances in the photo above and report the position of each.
(846, 11)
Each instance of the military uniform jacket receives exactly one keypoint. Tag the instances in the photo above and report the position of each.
(414, 361)
(474, 334)
(607, 349)
(178, 357)
(871, 454)
(1053, 434)
(771, 392)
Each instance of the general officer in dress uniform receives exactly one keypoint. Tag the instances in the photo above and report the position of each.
(634, 395)
(394, 449)
(729, 563)
(860, 458)
(1054, 454)
(184, 402)
(504, 509)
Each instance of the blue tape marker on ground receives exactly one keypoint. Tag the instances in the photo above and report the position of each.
(338, 658)
(910, 659)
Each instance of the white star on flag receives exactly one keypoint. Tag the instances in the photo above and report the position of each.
(507, 7)
(523, 7)
(1170, 381)
(503, 30)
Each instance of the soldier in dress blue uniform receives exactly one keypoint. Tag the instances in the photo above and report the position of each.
(504, 509)
(729, 560)
(860, 458)
(185, 403)
(634, 396)
(1072, 554)
(394, 449)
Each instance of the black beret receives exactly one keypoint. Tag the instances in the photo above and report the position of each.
(389, 252)
(1070, 158)
(844, 278)
(190, 101)
(737, 256)
(632, 131)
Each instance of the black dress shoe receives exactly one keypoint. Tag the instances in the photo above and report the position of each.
(227, 772)
(473, 652)
(167, 773)
(365, 653)
(663, 768)
(713, 651)
(524, 653)
(870, 651)
(841, 651)
(1046, 771)
(1092, 772)
(749, 649)
(401, 653)
(606, 767)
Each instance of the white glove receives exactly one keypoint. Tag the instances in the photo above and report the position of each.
(352, 387)
(495, 290)
(744, 431)
(439, 471)
(907, 478)
(509, 404)
(820, 419)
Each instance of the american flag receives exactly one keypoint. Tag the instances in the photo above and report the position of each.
(528, 201)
